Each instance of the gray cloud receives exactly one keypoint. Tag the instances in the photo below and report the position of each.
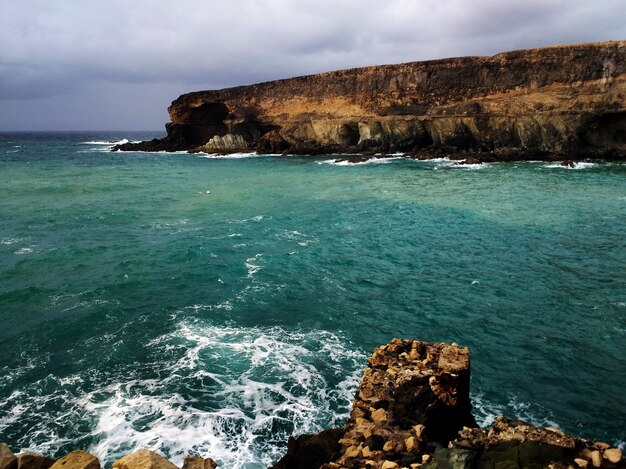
(110, 64)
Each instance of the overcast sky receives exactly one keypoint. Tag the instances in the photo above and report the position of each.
(117, 64)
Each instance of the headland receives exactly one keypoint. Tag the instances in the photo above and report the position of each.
(553, 103)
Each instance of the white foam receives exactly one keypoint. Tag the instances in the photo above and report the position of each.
(276, 384)
(253, 268)
(375, 160)
(231, 156)
(576, 165)
(108, 142)
(25, 250)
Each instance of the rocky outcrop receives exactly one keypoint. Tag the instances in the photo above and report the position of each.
(554, 102)
(411, 410)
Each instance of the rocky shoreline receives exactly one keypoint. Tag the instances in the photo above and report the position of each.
(552, 103)
(412, 410)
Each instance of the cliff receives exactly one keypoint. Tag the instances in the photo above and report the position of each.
(412, 410)
(561, 101)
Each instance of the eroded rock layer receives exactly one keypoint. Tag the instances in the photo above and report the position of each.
(562, 101)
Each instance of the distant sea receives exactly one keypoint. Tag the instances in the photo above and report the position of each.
(216, 305)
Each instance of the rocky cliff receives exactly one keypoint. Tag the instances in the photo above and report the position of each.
(412, 410)
(562, 102)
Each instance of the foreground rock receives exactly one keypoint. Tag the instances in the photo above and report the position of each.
(412, 409)
(562, 102)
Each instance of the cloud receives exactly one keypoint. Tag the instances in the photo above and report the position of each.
(62, 48)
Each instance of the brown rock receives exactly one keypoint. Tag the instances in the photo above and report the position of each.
(7, 459)
(613, 455)
(581, 462)
(143, 459)
(596, 459)
(77, 460)
(29, 460)
(379, 415)
(196, 462)
(389, 465)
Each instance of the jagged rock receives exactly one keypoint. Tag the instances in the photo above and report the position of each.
(196, 462)
(77, 460)
(30, 460)
(311, 451)
(143, 459)
(562, 102)
(7, 459)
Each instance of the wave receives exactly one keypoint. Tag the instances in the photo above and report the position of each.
(375, 160)
(231, 156)
(108, 142)
(574, 165)
(231, 393)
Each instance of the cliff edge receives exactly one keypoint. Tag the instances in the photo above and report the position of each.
(552, 103)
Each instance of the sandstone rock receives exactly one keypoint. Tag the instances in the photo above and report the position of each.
(29, 460)
(583, 463)
(613, 455)
(77, 460)
(389, 465)
(379, 415)
(596, 459)
(143, 459)
(7, 458)
(196, 462)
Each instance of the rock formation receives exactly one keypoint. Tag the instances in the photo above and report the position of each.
(560, 102)
(412, 410)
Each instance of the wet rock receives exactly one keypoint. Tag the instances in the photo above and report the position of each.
(143, 459)
(196, 462)
(77, 460)
(7, 459)
(29, 460)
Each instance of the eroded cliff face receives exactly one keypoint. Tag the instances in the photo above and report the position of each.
(562, 100)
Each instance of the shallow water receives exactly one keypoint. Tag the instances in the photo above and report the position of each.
(216, 305)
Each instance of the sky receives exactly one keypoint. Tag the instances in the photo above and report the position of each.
(118, 64)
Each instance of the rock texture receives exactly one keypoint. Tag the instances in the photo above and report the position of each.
(143, 459)
(554, 102)
(77, 460)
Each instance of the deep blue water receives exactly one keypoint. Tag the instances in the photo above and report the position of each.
(217, 305)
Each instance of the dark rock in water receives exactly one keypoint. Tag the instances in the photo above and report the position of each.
(311, 451)
(560, 102)
(196, 462)
(29, 460)
(7, 459)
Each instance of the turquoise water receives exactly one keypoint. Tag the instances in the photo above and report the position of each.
(216, 305)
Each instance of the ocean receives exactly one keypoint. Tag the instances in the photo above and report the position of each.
(216, 305)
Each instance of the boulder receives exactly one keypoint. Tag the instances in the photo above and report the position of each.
(7, 458)
(30, 460)
(77, 460)
(311, 451)
(143, 459)
(196, 462)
